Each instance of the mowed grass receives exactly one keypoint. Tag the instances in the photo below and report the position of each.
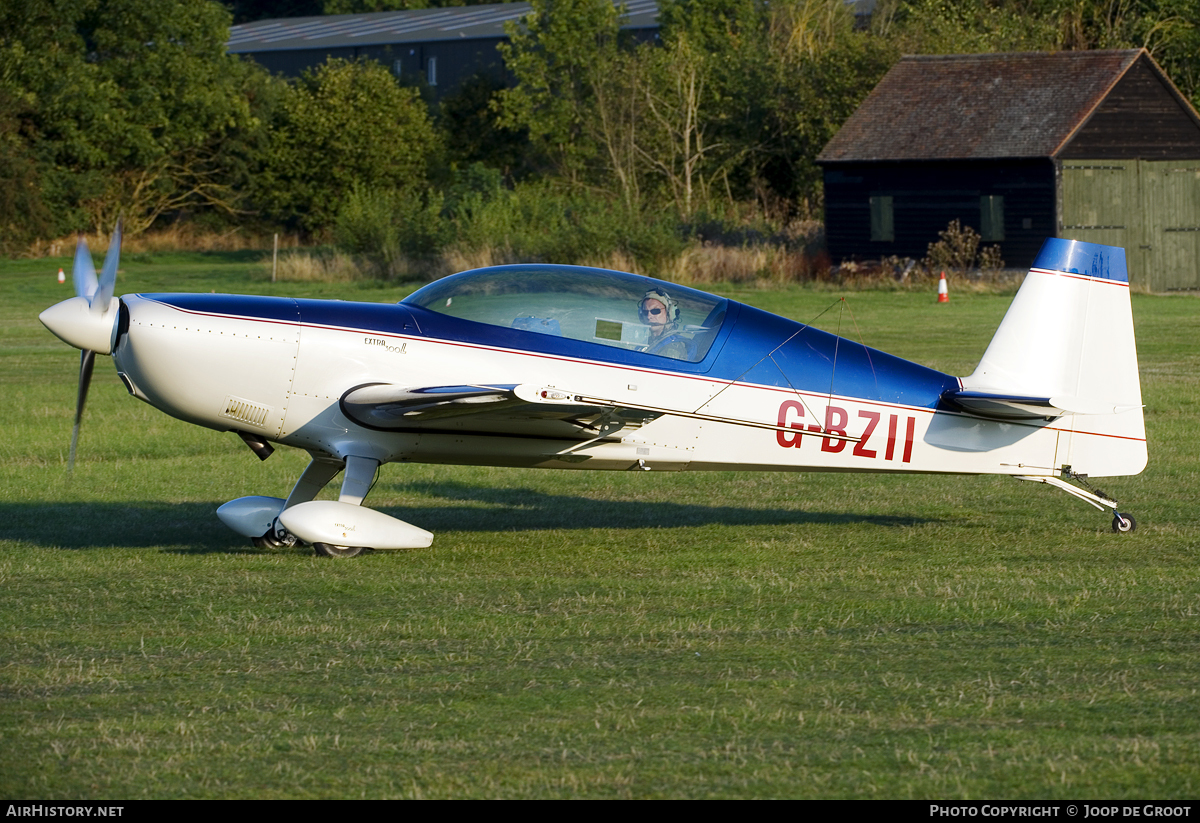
(574, 634)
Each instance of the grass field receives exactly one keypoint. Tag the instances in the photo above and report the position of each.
(589, 634)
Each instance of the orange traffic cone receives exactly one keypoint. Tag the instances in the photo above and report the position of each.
(943, 292)
(62, 278)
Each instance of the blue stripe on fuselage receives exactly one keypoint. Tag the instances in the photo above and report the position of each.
(281, 309)
(770, 350)
(753, 346)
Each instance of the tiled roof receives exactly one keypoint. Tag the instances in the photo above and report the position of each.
(979, 106)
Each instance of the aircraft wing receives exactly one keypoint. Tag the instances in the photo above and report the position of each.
(517, 409)
(482, 409)
(386, 406)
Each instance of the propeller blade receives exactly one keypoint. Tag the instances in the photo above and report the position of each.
(84, 271)
(87, 362)
(86, 328)
(108, 275)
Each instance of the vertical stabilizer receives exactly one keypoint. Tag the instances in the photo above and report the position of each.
(1068, 338)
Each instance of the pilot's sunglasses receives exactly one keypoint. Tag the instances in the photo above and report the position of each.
(653, 311)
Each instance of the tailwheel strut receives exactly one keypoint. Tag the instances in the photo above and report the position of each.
(1122, 523)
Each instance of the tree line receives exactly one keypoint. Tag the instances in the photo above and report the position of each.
(134, 106)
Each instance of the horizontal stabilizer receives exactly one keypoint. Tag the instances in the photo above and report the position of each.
(1002, 406)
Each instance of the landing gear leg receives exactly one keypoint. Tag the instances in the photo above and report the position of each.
(1122, 523)
(316, 477)
(360, 475)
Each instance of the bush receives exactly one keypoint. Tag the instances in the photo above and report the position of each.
(958, 252)
(365, 224)
(386, 227)
(320, 265)
(342, 124)
(538, 222)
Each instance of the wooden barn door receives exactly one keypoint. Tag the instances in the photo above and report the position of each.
(1100, 204)
(1171, 192)
(1151, 208)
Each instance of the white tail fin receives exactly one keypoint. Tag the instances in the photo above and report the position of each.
(1066, 344)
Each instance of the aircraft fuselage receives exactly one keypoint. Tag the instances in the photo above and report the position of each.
(278, 367)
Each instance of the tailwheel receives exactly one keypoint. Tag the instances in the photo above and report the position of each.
(1123, 523)
(329, 550)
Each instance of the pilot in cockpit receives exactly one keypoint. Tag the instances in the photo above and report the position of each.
(660, 313)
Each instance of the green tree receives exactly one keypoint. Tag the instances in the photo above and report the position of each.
(344, 123)
(554, 54)
(780, 79)
(823, 67)
(24, 215)
(471, 132)
(130, 104)
(1175, 44)
(179, 96)
(677, 117)
(974, 27)
(730, 40)
(1168, 29)
(56, 105)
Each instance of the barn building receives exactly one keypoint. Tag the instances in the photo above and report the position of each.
(444, 46)
(1087, 145)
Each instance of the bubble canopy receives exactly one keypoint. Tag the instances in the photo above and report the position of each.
(579, 303)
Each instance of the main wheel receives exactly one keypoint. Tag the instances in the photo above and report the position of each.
(1123, 523)
(328, 550)
(267, 541)
(276, 537)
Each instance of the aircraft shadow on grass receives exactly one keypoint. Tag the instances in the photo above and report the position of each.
(192, 528)
(180, 527)
(520, 509)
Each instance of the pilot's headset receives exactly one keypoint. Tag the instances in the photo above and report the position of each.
(662, 297)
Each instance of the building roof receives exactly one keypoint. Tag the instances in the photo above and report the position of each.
(415, 26)
(983, 106)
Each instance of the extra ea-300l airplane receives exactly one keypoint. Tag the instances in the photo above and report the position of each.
(567, 367)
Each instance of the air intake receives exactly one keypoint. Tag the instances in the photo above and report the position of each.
(245, 411)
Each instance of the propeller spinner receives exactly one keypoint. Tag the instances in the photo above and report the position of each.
(88, 321)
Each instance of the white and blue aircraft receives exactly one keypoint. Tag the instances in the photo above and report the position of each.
(568, 367)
